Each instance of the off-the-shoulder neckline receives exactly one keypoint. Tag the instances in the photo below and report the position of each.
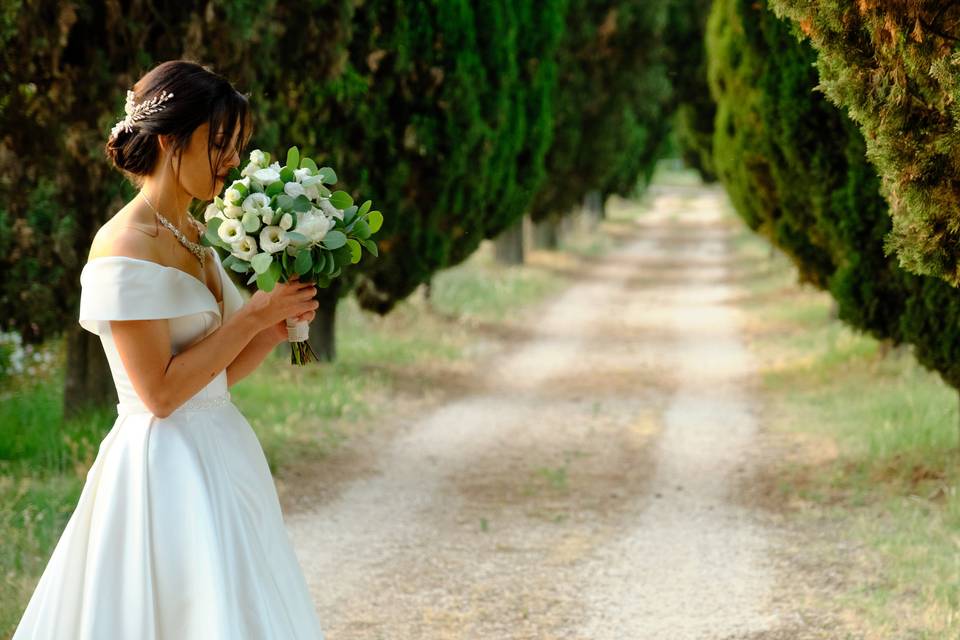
(180, 271)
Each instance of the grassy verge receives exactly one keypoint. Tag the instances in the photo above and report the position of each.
(871, 445)
(44, 461)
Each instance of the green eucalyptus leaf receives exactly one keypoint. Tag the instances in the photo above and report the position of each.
(275, 189)
(334, 239)
(252, 278)
(343, 256)
(303, 262)
(293, 158)
(285, 202)
(302, 204)
(250, 221)
(297, 238)
(365, 207)
(241, 266)
(375, 220)
(331, 264)
(309, 164)
(341, 199)
(329, 175)
(371, 247)
(323, 191)
(261, 262)
(361, 229)
(355, 251)
(286, 174)
(266, 281)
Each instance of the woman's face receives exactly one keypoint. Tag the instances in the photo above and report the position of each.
(194, 170)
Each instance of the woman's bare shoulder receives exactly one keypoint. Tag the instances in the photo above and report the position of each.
(126, 234)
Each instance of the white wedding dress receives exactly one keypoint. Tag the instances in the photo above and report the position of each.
(178, 533)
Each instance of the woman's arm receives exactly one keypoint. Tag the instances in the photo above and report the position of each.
(252, 355)
(166, 381)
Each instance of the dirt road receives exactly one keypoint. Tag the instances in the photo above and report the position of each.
(585, 488)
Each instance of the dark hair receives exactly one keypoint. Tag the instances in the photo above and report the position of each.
(199, 96)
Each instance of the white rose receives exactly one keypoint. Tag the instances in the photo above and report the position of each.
(258, 158)
(232, 211)
(314, 225)
(286, 221)
(231, 231)
(245, 248)
(273, 239)
(212, 211)
(331, 210)
(256, 202)
(266, 176)
(293, 189)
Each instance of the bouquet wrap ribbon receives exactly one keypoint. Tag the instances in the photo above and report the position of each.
(297, 330)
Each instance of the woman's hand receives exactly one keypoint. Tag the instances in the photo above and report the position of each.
(278, 331)
(293, 299)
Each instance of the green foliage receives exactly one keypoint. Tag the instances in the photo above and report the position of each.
(795, 168)
(611, 104)
(695, 110)
(892, 65)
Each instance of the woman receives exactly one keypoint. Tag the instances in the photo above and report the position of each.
(178, 533)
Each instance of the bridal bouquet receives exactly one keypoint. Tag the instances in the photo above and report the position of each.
(276, 221)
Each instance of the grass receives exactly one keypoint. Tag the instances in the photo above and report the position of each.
(879, 452)
(44, 461)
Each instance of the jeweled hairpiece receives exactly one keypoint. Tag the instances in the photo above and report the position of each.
(138, 112)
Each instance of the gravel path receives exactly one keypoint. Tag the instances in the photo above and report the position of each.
(585, 489)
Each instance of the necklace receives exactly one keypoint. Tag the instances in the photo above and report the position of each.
(196, 248)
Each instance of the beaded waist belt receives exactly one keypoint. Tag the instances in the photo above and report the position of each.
(193, 404)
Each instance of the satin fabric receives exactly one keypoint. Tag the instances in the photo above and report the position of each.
(178, 532)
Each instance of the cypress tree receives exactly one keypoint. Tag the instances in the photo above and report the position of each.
(796, 169)
(892, 65)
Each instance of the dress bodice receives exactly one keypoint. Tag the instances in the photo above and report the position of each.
(124, 288)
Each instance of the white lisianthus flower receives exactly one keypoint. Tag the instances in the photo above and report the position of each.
(286, 221)
(231, 231)
(256, 202)
(276, 166)
(245, 248)
(249, 170)
(273, 239)
(293, 189)
(212, 211)
(232, 196)
(266, 214)
(301, 174)
(233, 211)
(266, 176)
(258, 158)
(314, 225)
(312, 191)
(331, 210)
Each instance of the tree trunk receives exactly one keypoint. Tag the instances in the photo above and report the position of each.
(546, 234)
(593, 206)
(323, 338)
(87, 379)
(508, 246)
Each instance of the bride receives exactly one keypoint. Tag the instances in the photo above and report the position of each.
(178, 533)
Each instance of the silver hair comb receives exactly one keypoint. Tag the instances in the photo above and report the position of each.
(138, 112)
